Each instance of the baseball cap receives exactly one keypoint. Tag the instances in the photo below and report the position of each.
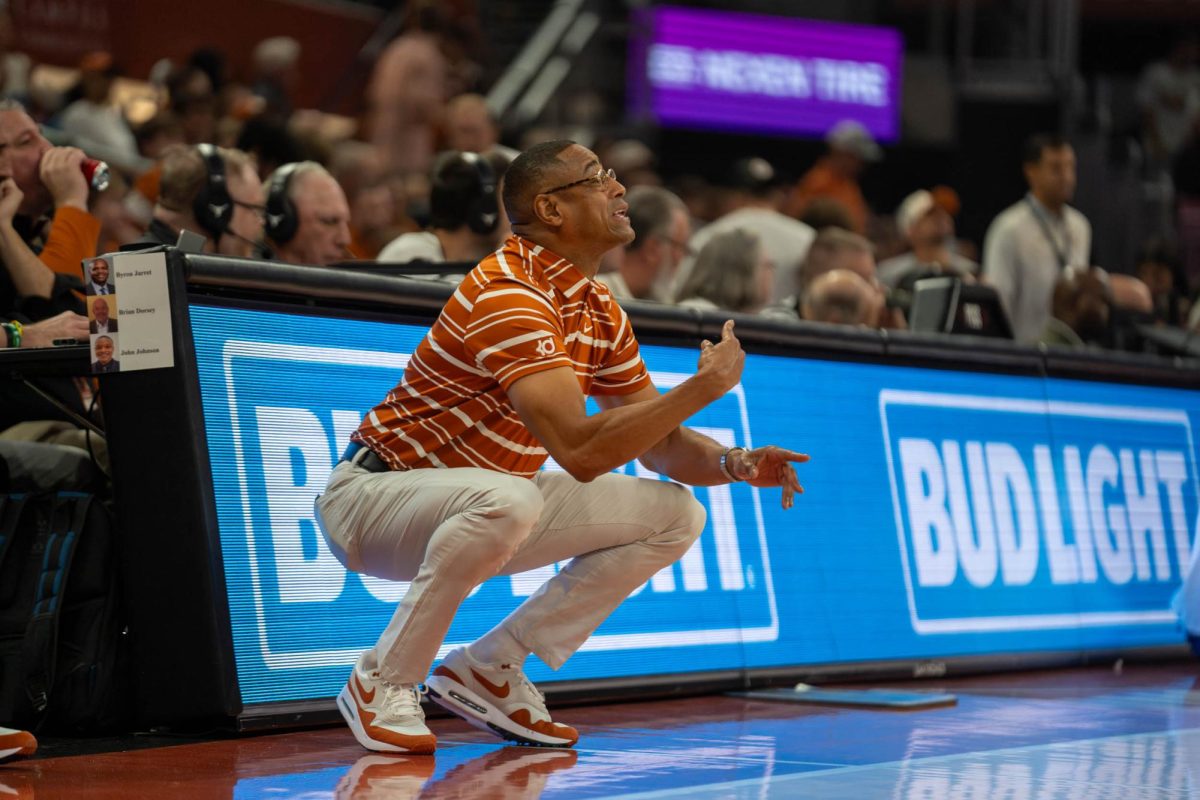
(921, 202)
(852, 137)
(753, 174)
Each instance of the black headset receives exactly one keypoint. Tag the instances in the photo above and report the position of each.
(212, 206)
(282, 219)
(464, 193)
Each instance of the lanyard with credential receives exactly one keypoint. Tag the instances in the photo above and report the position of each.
(1049, 234)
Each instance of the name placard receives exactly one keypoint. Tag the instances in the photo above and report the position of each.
(129, 312)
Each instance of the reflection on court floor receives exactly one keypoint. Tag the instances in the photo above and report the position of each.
(1085, 733)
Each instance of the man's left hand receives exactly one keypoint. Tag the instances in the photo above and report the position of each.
(768, 466)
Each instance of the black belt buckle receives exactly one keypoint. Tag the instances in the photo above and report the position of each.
(362, 456)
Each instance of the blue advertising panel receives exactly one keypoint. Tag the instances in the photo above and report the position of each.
(945, 514)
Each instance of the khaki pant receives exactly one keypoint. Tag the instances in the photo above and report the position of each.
(448, 530)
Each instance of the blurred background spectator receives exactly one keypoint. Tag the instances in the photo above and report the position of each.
(732, 272)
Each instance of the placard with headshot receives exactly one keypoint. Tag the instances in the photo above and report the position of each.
(102, 314)
(99, 279)
(104, 353)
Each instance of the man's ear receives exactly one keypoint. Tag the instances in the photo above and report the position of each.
(547, 211)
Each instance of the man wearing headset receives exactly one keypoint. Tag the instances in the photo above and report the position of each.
(465, 221)
(308, 217)
(213, 191)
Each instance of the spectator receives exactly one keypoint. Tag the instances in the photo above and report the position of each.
(93, 119)
(194, 104)
(825, 212)
(270, 142)
(308, 218)
(28, 287)
(468, 125)
(926, 220)
(464, 214)
(660, 222)
(851, 148)
(358, 169)
(835, 248)
(838, 249)
(408, 91)
(158, 133)
(633, 161)
(209, 190)
(841, 297)
(53, 190)
(1161, 269)
(731, 272)
(1168, 95)
(754, 200)
(1029, 244)
(1080, 310)
(276, 72)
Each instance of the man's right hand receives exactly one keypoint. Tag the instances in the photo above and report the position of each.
(10, 200)
(721, 364)
(62, 175)
(67, 325)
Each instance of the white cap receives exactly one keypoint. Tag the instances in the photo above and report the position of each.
(915, 206)
(852, 137)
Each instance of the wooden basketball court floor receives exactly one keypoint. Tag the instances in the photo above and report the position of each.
(1096, 732)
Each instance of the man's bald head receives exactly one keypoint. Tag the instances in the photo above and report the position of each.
(840, 297)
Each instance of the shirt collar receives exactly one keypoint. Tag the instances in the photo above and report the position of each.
(1045, 213)
(558, 271)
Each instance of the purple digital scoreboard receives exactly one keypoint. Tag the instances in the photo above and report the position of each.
(775, 75)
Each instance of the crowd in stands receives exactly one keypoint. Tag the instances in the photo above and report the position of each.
(419, 179)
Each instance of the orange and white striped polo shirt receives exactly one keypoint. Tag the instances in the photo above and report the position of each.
(520, 311)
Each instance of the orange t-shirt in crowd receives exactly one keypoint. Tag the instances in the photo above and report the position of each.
(522, 310)
(74, 235)
(823, 181)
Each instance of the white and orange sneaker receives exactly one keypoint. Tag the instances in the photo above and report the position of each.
(500, 700)
(15, 743)
(383, 716)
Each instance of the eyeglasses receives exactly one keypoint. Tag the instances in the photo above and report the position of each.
(259, 211)
(683, 246)
(599, 180)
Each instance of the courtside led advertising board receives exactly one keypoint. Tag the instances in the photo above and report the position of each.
(945, 514)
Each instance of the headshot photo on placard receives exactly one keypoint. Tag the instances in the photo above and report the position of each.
(99, 277)
(104, 353)
(102, 314)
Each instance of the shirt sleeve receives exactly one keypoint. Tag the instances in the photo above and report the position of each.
(73, 237)
(513, 331)
(623, 371)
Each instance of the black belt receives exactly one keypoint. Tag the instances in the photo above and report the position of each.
(362, 456)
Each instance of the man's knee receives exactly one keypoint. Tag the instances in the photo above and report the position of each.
(685, 518)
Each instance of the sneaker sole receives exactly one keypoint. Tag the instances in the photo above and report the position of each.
(349, 708)
(468, 705)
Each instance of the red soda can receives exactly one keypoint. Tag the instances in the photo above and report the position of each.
(96, 173)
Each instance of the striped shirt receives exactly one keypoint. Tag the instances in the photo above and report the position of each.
(522, 310)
